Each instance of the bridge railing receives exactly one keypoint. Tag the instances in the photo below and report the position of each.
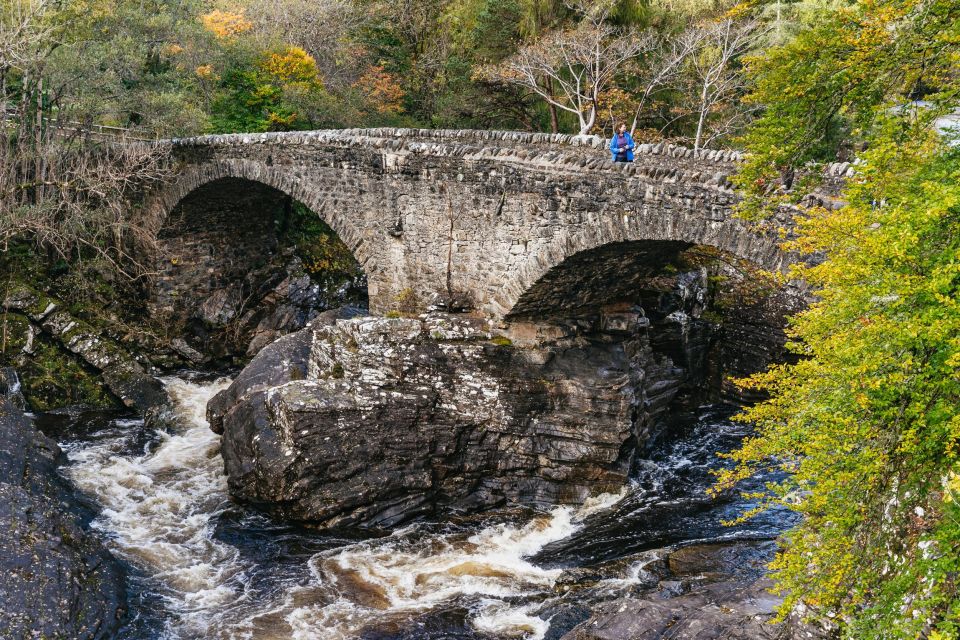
(12, 117)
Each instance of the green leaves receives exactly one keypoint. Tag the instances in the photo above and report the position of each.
(822, 91)
(869, 415)
(868, 420)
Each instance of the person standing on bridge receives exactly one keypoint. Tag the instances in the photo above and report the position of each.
(621, 146)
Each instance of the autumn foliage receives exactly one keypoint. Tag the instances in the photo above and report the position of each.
(225, 24)
(382, 89)
(866, 425)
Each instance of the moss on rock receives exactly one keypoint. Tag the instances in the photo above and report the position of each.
(53, 378)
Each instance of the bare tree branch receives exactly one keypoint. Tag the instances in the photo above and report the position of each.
(570, 68)
(714, 81)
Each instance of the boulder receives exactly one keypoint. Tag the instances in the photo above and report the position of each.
(714, 591)
(719, 611)
(376, 421)
(56, 579)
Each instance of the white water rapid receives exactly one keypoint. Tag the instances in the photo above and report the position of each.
(160, 510)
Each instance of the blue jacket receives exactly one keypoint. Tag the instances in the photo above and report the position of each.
(630, 145)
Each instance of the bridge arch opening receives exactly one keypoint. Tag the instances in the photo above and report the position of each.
(240, 263)
(645, 329)
(696, 314)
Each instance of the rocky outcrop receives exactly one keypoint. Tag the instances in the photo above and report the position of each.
(374, 421)
(721, 611)
(121, 373)
(56, 580)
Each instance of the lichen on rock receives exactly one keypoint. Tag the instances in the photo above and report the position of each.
(376, 421)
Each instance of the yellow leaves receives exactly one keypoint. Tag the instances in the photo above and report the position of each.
(280, 122)
(225, 24)
(740, 10)
(292, 65)
(204, 71)
(382, 88)
(951, 487)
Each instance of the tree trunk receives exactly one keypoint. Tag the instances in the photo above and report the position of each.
(554, 119)
(586, 125)
(704, 107)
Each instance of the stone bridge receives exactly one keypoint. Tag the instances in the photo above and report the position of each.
(506, 223)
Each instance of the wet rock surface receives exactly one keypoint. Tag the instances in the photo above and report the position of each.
(56, 579)
(698, 592)
(122, 374)
(376, 421)
(723, 610)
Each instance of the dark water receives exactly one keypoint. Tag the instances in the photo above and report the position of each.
(205, 568)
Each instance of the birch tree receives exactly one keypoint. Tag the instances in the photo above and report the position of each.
(663, 59)
(715, 82)
(570, 68)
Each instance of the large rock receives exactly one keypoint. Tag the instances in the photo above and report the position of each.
(374, 421)
(56, 580)
(719, 611)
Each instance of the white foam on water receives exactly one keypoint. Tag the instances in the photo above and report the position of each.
(160, 509)
(510, 621)
(407, 572)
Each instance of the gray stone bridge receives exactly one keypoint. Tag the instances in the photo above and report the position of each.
(506, 221)
(591, 267)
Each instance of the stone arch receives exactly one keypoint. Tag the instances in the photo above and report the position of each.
(733, 236)
(160, 204)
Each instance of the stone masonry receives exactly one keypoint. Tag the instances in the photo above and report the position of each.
(479, 217)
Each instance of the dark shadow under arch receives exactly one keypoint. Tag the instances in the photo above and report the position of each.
(617, 272)
(240, 262)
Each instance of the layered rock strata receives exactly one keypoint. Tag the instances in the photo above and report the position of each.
(375, 421)
(705, 592)
(122, 374)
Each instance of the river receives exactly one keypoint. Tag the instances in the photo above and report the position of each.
(203, 567)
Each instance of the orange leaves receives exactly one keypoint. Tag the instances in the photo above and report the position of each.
(225, 24)
(382, 88)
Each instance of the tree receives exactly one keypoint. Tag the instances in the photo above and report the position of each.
(61, 189)
(571, 68)
(326, 30)
(714, 83)
(663, 58)
(865, 426)
(820, 93)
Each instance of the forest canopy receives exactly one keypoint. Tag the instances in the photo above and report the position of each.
(670, 69)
